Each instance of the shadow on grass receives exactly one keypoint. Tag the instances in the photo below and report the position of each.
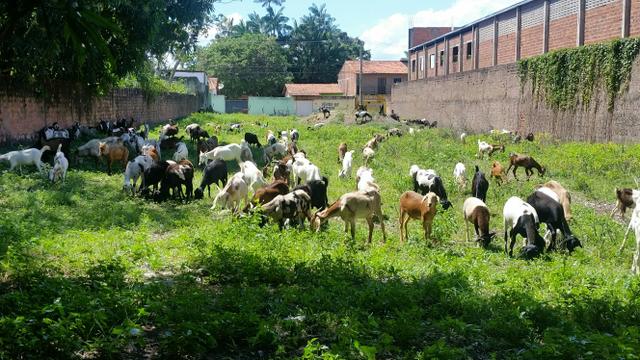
(236, 304)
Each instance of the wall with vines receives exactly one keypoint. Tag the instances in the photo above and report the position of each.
(568, 79)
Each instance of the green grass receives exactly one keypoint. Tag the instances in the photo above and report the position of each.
(87, 271)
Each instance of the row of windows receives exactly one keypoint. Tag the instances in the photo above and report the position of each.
(455, 54)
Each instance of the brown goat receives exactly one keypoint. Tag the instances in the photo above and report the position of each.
(281, 172)
(292, 148)
(527, 162)
(624, 201)
(114, 152)
(476, 212)
(418, 207)
(342, 149)
(563, 194)
(153, 153)
(497, 172)
(268, 193)
(496, 147)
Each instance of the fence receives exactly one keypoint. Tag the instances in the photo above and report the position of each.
(280, 106)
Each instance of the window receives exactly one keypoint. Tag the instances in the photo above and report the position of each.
(454, 54)
(422, 63)
(432, 61)
(413, 66)
(441, 57)
(382, 86)
(469, 50)
(397, 80)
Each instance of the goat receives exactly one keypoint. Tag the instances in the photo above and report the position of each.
(521, 218)
(60, 166)
(269, 192)
(418, 207)
(252, 175)
(134, 170)
(550, 212)
(326, 112)
(227, 153)
(564, 197)
(252, 139)
(271, 138)
(363, 116)
(169, 130)
(425, 181)
(294, 206)
(624, 201)
(394, 132)
(232, 194)
(497, 172)
(475, 211)
(272, 150)
(526, 161)
(460, 174)
(153, 175)
(181, 153)
(170, 143)
(394, 116)
(245, 151)
(173, 180)
(530, 137)
(207, 145)
(463, 138)
(152, 151)
(367, 154)
(114, 152)
(365, 180)
(347, 164)
(317, 189)
(351, 206)
(292, 148)
(634, 224)
(294, 134)
(90, 149)
(215, 172)
(282, 171)
(484, 148)
(304, 171)
(479, 185)
(25, 157)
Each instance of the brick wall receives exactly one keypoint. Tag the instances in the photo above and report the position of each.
(634, 26)
(467, 64)
(485, 54)
(21, 117)
(431, 72)
(507, 49)
(454, 67)
(491, 98)
(603, 23)
(563, 32)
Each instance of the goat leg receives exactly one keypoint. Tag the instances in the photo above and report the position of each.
(370, 223)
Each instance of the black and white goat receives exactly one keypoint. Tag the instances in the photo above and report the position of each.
(215, 172)
(550, 212)
(520, 218)
(425, 181)
(479, 185)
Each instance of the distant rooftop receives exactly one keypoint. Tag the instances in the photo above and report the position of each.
(376, 66)
(311, 89)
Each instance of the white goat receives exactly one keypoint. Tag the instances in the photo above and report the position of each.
(484, 148)
(521, 218)
(252, 175)
(271, 138)
(275, 149)
(232, 194)
(226, 153)
(347, 163)
(60, 166)
(460, 174)
(367, 154)
(365, 180)
(25, 157)
(463, 138)
(135, 169)
(182, 153)
(304, 171)
(294, 134)
(412, 131)
(635, 225)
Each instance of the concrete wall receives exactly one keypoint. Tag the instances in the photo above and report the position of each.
(217, 102)
(489, 98)
(271, 106)
(346, 104)
(22, 116)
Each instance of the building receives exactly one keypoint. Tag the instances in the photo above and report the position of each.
(378, 77)
(419, 35)
(310, 97)
(197, 82)
(526, 29)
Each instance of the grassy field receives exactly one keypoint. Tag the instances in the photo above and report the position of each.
(89, 272)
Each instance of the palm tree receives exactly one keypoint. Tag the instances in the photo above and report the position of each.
(276, 23)
(256, 23)
(267, 3)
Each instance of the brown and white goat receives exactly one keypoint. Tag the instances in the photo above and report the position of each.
(342, 149)
(294, 206)
(624, 201)
(269, 192)
(418, 207)
(525, 161)
(476, 212)
(352, 206)
(114, 152)
(563, 195)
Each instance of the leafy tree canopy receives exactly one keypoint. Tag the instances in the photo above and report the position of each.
(250, 64)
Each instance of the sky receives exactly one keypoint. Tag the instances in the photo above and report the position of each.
(382, 24)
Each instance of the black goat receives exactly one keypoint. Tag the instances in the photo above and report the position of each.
(425, 181)
(479, 185)
(153, 176)
(214, 172)
(252, 139)
(551, 213)
(317, 190)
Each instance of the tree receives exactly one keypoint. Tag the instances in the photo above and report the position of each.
(276, 23)
(318, 48)
(54, 45)
(251, 64)
(267, 3)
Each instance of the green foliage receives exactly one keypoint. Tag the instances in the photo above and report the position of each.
(152, 85)
(91, 272)
(251, 64)
(60, 46)
(567, 78)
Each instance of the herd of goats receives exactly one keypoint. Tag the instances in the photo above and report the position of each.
(298, 186)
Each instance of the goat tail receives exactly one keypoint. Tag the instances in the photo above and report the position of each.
(44, 148)
(59, 147)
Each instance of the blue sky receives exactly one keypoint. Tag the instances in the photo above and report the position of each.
(382, 24)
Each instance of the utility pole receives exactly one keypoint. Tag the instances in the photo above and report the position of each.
(360, 78)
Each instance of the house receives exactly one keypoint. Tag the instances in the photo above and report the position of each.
(310, 97)
(378, 77)
(526, 29)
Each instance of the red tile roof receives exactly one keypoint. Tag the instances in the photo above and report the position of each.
(213, 83)
(311, 89)
(375, 67)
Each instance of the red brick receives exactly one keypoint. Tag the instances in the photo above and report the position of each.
(485, 54)
(531, 41)
(603, 23)
(634, 26)
(563, 32)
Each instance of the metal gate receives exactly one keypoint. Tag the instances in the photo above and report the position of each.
(237, 106)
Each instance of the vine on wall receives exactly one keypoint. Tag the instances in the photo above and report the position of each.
(567, 78)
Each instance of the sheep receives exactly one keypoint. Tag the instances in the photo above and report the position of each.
(351, 206)
(269, 192)
(497, 172)
(294, 134)
(479, 185)
(214, 172)
(418, 207)
(61, 164)
(624, 200)
(317, 189)
(549, 210)
(425, 181)
(526, 161)
(181, 153)
(226, 152)
(460, 174)
(25, 157)
(252, 139)
(475, 211)
(304, 170)
(135, 169)
(114, 152)
(564, 197)
(521, 218)
(293, 206)
(232, 194)
(347, 164)
(272, 150)
(252, 175)
(367, 154)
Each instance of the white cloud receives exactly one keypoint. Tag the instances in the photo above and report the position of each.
(388, 39)
(210, 33)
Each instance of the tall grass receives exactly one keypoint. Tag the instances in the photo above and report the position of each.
(87, 271)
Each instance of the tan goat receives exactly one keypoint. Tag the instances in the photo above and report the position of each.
(418, 207)
(114, 152)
